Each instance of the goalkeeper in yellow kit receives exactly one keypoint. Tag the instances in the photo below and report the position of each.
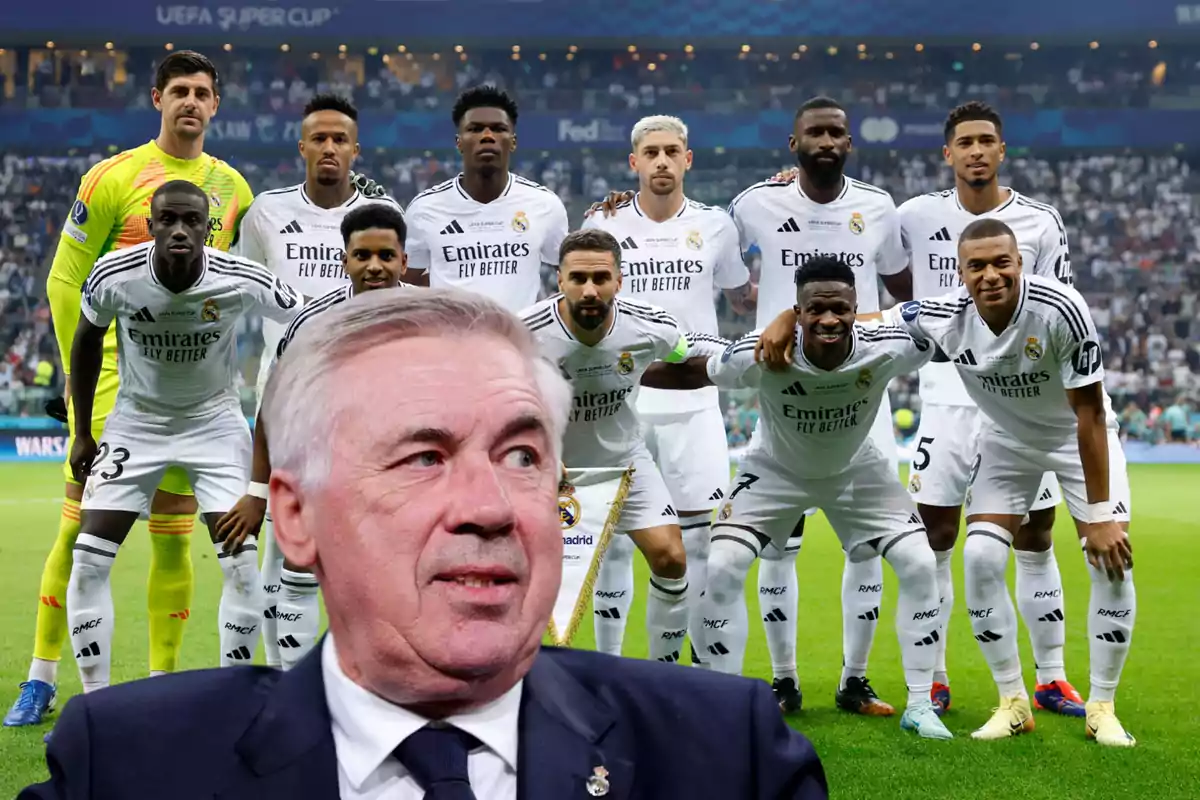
(110, 213)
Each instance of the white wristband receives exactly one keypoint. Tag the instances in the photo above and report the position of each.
(1098, 512)
(258, 490)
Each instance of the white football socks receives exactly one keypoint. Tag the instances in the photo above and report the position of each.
(612, 595)
(90, 609)
(667, 617)
(945, 582)
(918, 611)
(726, 623)
(298, 616)
(778, 600)
(1112, 609)
(993, 618)
(272, 565)
(241, 607)
(1039, 593)
(862, 591)
(696, 535)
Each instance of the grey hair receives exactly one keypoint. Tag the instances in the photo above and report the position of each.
(297, 401)
(655, 124)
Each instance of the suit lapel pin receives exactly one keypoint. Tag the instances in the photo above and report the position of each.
(597, 784)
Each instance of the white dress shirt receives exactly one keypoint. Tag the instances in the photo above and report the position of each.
(367, 728)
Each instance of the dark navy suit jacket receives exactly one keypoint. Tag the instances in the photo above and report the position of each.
(661, 731)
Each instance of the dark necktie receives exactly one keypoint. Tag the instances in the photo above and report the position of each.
(437, 759)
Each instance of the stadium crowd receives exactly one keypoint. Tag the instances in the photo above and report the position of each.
(571, 79)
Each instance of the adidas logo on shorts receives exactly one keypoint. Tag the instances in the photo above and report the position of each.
(669, 511)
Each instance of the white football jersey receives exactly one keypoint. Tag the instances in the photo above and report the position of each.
(813, 421)
(860, 227)
(315, 308)
(496, 248)
(300, 242)
(677, 265)
(930, 226)
(177, 353)
(1020, 377)
(603, 430)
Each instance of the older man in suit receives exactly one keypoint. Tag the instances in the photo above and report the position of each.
(415, 440)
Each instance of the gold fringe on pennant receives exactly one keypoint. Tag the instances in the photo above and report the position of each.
(589, 583)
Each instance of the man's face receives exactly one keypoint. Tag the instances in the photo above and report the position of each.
(329, 145)
(660, 161)
(374, 259)
(486, 139)
(590, 281)
(975, 152)
(187, 103)
(991, 270)
(437, 536)
(821, 142)
(179, 224)
(825, 312)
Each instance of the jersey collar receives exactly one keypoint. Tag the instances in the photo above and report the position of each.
(841, 194)
(154, 275)
(1012, 198)
(799, 357)
(458, 185)
(566, 326)
(637, 206)
(354, 198)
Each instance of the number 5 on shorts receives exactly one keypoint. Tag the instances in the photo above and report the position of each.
(923, 462)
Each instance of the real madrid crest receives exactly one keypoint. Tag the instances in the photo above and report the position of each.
(625, 363)
(726, 512)
(214, 199)
(864, 379)
(520, 222)
(857, 223)
(597, 782)
(568, 506)
(914, 483)
(1033, 349)
(694, 241)
(209, 312)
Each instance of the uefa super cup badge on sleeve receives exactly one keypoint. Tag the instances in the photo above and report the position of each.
(589, 507)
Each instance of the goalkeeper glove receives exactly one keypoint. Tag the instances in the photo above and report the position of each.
(366, 186)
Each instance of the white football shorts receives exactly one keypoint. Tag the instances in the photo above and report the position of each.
(944, 450)
(648, 503)
(692, 452)
(135, 451)
(1008, 476)
(866, 505)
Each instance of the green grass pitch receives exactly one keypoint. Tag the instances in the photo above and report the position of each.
(864, 758)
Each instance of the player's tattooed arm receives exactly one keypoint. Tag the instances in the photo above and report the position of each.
(87, 355)
(246, 516)
(744, 298)
(609, 204)
(1105, 542)
(683, 376)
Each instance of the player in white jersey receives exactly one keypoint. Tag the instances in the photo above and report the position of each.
(812, 448)
(603, 344)
(486, 230)
(824, 212)
(296, 233)
(676, 255)
(176, 305)
(373, 257)
(945, 441)
(1029, 356)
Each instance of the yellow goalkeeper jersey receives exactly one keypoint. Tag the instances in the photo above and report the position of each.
(113, 206)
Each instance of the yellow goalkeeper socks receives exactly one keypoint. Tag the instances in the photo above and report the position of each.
(56, 573)
(169, 587)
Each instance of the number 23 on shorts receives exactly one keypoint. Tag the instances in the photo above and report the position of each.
(114, 469)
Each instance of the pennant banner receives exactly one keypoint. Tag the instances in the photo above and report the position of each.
(589, 505)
